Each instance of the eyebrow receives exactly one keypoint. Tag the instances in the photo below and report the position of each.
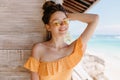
(57, 19)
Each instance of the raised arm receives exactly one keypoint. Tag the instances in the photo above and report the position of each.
(90, 19)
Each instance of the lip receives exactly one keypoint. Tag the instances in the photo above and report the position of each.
(62, 29)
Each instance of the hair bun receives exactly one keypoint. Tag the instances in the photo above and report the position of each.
(48, 4)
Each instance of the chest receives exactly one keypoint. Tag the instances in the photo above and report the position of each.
(53, 55)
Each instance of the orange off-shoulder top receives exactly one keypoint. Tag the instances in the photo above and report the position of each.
(60, 69)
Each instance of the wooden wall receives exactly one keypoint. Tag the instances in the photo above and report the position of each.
(20, 28)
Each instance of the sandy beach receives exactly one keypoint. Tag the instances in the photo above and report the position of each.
(112, 65)
(112, 69)
(106, 48)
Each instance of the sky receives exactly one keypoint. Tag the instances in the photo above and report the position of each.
(109, 13)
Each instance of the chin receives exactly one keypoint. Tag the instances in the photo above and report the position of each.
(63, 33)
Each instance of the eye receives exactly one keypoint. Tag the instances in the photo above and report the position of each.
(56, 23)
(66, 21)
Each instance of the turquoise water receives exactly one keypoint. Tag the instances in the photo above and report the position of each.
(107, 44)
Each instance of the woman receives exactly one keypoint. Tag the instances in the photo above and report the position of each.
(54, 59)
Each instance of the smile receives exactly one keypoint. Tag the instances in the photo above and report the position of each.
(62, 29)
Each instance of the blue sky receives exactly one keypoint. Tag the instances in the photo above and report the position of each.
(109, 12)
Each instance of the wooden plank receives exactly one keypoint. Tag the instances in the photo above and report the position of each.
(69, 6)
(22, 23)
(21, 16)
(86, 1)
(20, 41)
(81, 2)
(77, 3)
(13, 59)
(69, 9)
(90, 1)
(72, 6)
(20, 27)
(14, 76)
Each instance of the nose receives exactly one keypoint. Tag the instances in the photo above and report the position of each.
(62, 23)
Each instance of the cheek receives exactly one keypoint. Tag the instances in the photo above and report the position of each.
(67, 26)
(54, 29)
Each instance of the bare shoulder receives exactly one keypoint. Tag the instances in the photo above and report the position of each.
(84, 45)
(37, 50)
(72, 44)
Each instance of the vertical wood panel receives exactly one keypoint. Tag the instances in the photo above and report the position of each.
(20, 23)
(20, 27)
(20, 41)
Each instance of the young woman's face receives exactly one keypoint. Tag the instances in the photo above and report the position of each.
(59, 23)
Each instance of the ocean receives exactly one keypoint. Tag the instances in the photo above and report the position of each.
(104, 44)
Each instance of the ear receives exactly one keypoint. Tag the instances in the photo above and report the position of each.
(48, 27)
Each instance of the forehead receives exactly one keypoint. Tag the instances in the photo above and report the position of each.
(58, 16)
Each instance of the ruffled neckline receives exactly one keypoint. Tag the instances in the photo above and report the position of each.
(53, 67)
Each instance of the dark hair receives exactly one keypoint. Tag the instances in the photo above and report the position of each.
(49, 8)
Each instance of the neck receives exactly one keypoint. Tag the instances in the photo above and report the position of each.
(57, 42)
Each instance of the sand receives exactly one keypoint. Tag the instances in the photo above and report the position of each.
(112, 65)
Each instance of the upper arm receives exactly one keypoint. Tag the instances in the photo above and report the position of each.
(36, 53)
(90, 19)
(34, 76)
(88, 32)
